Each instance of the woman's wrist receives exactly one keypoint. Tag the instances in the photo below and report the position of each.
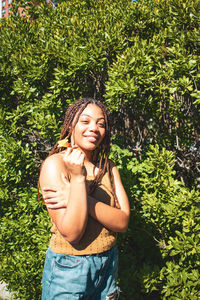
(78, 178)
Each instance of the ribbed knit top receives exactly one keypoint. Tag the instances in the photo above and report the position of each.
(96, 238)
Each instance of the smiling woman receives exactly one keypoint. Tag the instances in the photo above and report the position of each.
(89, 130)
(87, 204)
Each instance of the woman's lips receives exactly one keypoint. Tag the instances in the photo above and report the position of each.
(92, 139)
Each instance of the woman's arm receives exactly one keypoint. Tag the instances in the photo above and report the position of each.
(71, 220)
(113, 218)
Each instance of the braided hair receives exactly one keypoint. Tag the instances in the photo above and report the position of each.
(100, 154)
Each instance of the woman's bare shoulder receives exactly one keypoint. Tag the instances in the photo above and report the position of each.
(52, 166)
(54, 160)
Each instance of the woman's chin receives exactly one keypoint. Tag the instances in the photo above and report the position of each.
(88, 148)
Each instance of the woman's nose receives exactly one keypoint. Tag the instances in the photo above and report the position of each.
(93, 126)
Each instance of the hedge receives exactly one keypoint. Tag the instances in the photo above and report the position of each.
(142, 60)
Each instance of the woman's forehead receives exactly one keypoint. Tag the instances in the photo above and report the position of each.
(93, 110)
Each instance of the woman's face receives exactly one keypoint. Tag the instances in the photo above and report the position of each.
(90, 128)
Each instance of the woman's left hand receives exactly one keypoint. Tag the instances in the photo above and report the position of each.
(55, 198)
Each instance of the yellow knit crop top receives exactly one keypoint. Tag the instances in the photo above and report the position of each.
(96, 238)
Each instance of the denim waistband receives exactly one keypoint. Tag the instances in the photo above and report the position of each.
(101, 254)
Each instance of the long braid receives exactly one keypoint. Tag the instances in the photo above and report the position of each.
(101, 154)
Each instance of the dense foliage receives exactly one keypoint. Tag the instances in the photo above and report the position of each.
(141, 59)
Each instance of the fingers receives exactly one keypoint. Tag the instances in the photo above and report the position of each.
(80, 158)
(74, 160)
(74, 155)
(55, 197)
(51, 195)
(53, 201)
(55, 205)
(49, 189)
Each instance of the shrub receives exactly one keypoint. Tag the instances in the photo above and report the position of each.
(142, 59)
(160, 253)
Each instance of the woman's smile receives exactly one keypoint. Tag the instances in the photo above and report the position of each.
(91, 138)
(90, 129)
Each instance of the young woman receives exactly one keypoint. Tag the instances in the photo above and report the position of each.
(87, 204)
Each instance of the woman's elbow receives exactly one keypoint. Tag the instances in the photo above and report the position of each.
(123, 228)
(124, 224)
(73, 241)
(73, 234)
(73, 238)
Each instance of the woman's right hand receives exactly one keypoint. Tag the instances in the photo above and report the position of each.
(74, 161)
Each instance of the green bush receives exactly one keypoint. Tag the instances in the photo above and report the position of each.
(24, 223)
(160, 253)
(141, 59)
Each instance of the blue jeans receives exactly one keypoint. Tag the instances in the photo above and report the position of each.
(84, 277)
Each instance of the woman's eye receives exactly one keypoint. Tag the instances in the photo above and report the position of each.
(101, 125)
(84, 121)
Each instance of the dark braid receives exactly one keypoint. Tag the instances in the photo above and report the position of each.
(101, 154)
